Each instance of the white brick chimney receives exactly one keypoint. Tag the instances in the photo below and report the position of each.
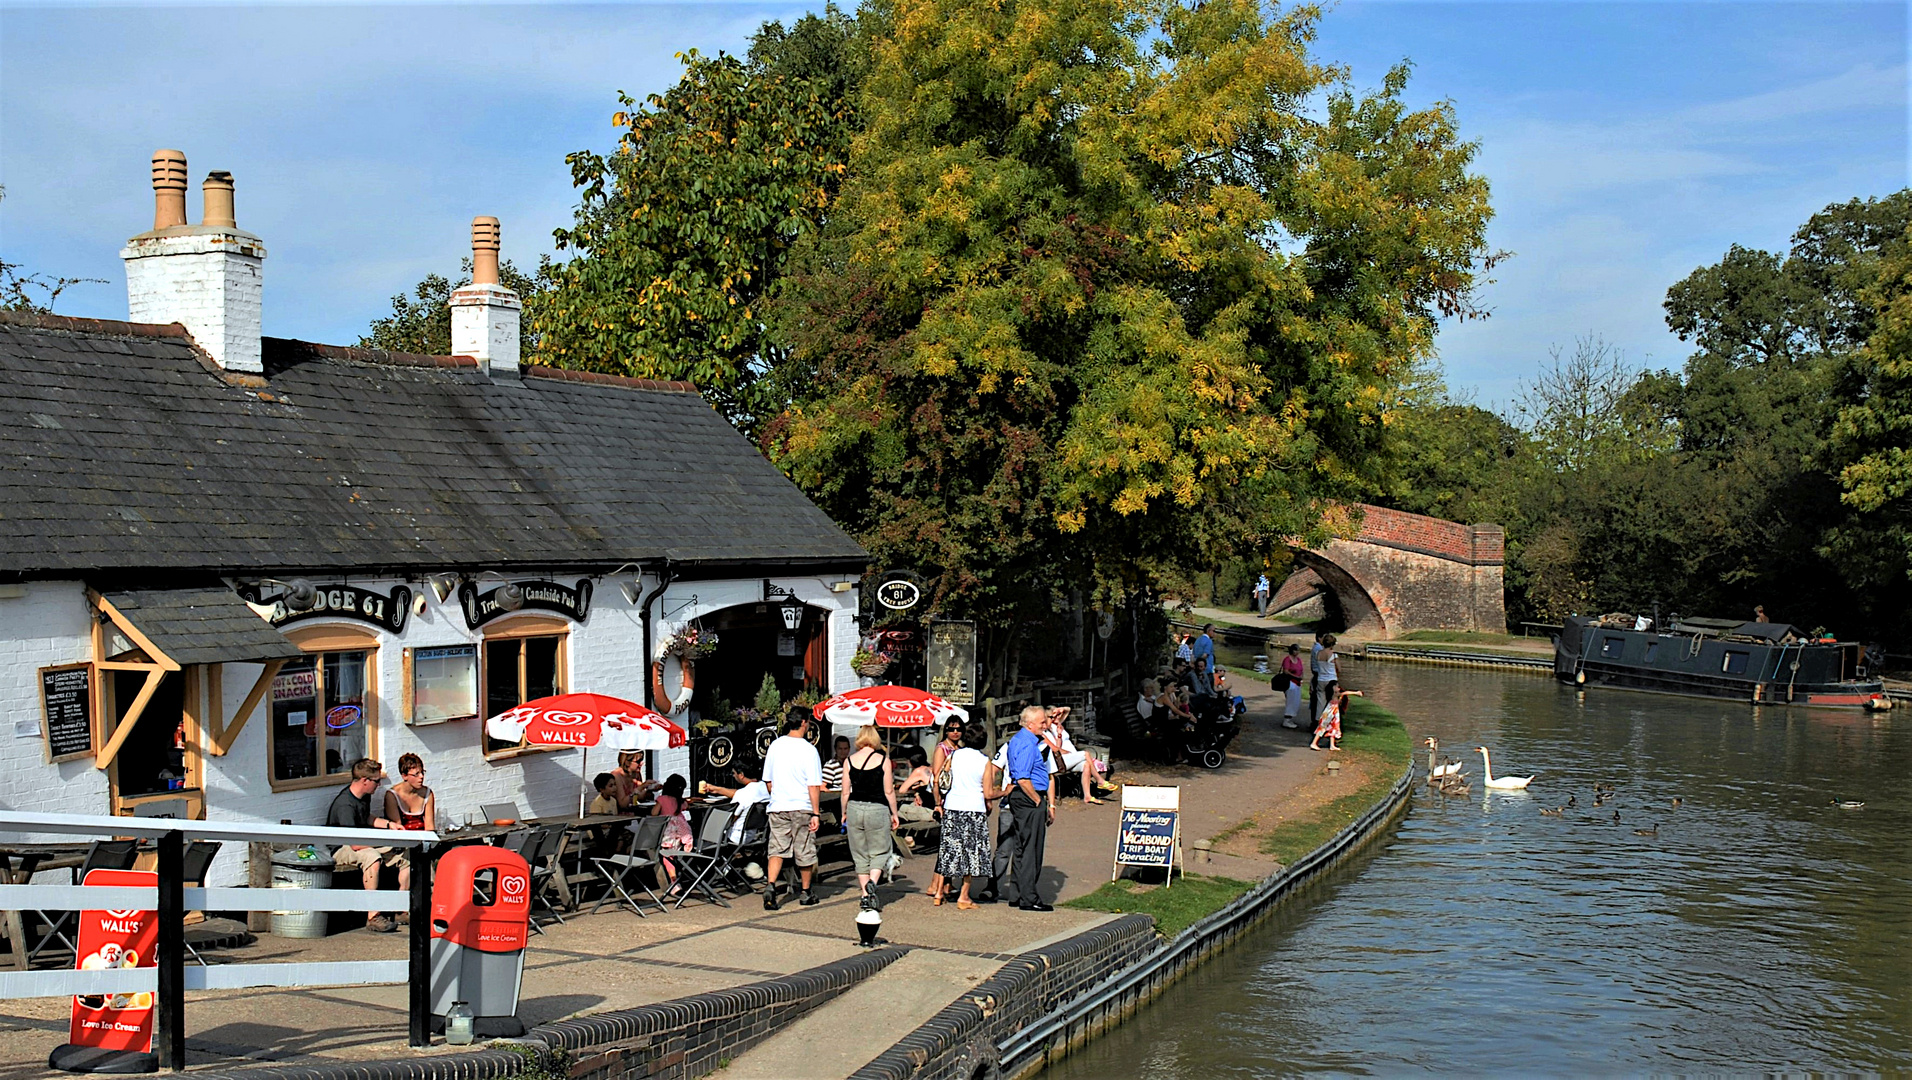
(484, 314)
(205, 277)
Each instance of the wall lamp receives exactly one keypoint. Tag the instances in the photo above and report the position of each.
(299, 594)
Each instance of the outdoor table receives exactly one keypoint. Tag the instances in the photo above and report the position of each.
(18, 864)
(488, 833)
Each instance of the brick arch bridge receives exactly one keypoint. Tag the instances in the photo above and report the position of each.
(1402, 572)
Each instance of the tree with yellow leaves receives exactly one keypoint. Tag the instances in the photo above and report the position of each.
(1113, 287)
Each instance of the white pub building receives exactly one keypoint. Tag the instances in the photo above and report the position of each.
(230, 565)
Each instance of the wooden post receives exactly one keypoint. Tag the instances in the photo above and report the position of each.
(259, 876)
(169, 1014)
(420, 1003)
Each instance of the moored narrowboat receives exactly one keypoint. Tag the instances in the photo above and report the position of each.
(1759, 662)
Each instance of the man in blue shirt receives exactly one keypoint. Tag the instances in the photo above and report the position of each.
(1029, 806)
(1205, 647)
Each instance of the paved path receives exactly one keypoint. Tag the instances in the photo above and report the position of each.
(616, 960)
(846, 1034)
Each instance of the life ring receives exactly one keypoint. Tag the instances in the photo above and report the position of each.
(672, 704)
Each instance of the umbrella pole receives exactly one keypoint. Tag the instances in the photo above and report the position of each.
(584, 776)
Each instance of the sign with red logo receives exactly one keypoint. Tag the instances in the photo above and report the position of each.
(481, 899)
(116, 939)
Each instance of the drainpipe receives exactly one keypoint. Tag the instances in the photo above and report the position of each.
(665, 575)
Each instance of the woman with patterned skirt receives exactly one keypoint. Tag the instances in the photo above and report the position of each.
(966, 852)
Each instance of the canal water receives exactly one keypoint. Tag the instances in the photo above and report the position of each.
(1762, 929)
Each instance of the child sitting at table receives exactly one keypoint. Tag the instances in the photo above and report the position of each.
(606, 801)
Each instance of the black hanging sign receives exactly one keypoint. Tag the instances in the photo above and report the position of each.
(389, 610)
(66, 698)
(481, 608)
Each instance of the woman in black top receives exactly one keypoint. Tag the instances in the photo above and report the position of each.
(869, 810)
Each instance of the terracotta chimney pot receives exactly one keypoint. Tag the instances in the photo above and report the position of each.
(218, 195)
(485, 239)
(169, 189)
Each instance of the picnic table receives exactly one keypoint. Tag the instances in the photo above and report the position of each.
(18, 864)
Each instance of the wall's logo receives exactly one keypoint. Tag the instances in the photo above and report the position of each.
(568, 719)
(513, 886)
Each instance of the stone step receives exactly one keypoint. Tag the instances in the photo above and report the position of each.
(846, 1034)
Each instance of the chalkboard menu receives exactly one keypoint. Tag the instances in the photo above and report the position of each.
(66, 697)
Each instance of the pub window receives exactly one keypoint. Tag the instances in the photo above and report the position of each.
(518, 668)
(322, 713)
(1735, 662)
(1613, 647)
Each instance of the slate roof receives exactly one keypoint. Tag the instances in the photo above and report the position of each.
(123, 449)
(202, 626)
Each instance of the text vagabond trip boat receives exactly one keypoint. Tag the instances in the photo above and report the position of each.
(1760, 662)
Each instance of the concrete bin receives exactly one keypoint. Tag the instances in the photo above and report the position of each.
(301, 868)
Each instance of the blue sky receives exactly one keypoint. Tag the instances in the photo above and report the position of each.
(1627, 143)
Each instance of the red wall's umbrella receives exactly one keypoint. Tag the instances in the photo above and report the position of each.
(586, 720)
(888, 706)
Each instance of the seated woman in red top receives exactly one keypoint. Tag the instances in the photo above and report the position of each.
(409, 802)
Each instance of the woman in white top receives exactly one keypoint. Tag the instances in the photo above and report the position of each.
(965, 853)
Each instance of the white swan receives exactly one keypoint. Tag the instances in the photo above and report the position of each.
(1499, 783)
(1436, 772)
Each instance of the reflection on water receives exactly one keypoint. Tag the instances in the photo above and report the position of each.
(1763, 928)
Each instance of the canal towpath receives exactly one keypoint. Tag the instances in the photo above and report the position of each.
(615, 960)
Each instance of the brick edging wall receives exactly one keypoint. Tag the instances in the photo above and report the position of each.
(1054, 1036)
(961, 1039)
(1017, 1022)
(671, 1040)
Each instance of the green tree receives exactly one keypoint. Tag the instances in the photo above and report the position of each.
(420, 321)
(1870, 439)
(1104, 296)
(684, 229)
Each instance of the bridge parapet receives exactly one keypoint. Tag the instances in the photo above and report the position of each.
(1404, 572)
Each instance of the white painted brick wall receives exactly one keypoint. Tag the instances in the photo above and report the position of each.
(209, 281)
(484, 324)
(49, 626)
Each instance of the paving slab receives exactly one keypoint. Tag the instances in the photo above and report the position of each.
(846, 1034)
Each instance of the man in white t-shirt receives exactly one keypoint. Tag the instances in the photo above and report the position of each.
(749, 792)
(794, 773)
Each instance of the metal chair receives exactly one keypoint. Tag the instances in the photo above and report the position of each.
(101, 855)
(647, 842)
(193, 867)
(542, 853)
(707, 862)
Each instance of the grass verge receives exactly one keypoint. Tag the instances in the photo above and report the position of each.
(1465, 637)
(1372, 735)
(1176, 908)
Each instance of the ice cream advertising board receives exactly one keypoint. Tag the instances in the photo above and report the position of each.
(116, 939)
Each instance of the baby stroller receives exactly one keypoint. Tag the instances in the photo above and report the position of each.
(1217, 720)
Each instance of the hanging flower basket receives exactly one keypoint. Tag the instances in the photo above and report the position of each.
(691, 643)
(870, 665)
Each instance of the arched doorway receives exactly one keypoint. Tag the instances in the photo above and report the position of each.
(753, 641)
